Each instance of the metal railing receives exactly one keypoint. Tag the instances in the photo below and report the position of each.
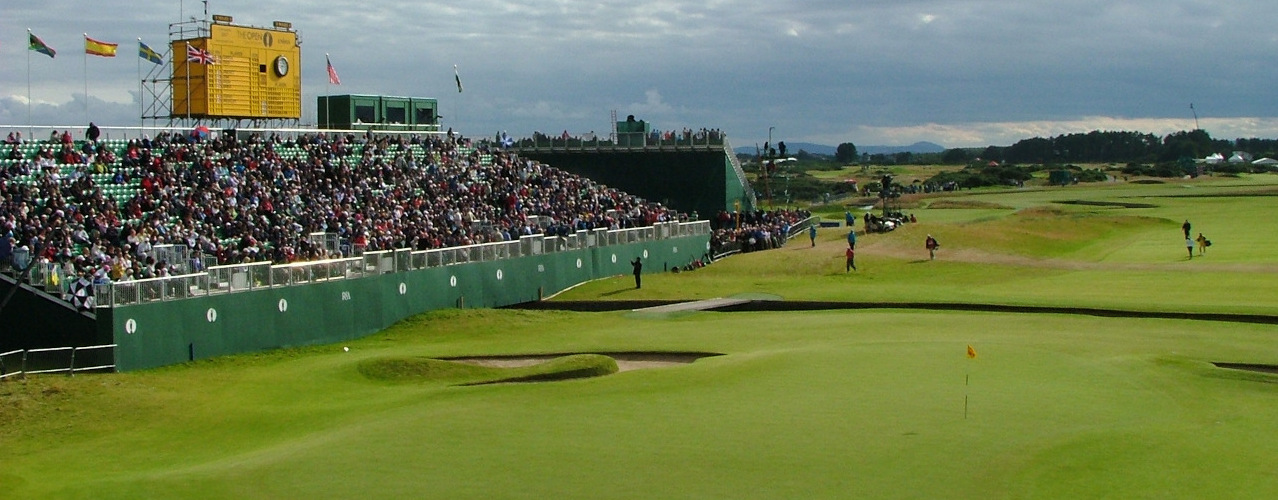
(741, 175)
(243, 277)
(723, 249)
(57, 360)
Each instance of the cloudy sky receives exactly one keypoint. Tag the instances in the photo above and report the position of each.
(872, 72)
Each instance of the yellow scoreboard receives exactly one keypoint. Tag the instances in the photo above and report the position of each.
(238, 72)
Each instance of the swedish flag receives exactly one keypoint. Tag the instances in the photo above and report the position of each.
(149, 54)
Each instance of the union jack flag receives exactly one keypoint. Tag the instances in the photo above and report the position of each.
(200, 56)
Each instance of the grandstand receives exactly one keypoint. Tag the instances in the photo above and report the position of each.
(692, 171)
(188, 219)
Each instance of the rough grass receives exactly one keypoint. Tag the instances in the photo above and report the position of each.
(1042, 253)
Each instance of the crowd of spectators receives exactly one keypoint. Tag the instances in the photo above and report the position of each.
(259, 199)
(684, 137)
(753, 231)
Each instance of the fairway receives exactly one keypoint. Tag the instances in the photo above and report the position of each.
(866, 403)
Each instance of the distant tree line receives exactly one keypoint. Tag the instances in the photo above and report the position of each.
(1127, 153)
(1092, 147)
(1113, 147)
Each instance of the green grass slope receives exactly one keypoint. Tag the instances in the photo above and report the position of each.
(1034, 252)
(817, 405)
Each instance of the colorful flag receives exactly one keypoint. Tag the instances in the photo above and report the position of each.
(200, 56)
(971, 353)
(332, 73)
(149, 54)
(38, 45)
(458, 78)
(99, 48)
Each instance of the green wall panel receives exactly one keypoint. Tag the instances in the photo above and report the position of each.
(162, 333)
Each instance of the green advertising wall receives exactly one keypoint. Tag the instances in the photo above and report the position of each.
(162, 333)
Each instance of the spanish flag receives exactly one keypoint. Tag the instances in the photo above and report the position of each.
(98, 48)
(971, 353)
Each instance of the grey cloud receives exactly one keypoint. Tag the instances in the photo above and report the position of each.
(812, 69)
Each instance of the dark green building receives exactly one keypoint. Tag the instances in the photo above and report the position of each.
(376, 112)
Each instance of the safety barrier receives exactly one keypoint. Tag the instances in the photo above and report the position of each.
(247, 277)
(57, 360)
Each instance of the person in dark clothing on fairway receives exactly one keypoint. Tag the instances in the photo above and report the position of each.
(638, 265)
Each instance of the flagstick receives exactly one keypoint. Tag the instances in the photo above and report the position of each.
(967, 381)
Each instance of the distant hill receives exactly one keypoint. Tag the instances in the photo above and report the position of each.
(821, 149)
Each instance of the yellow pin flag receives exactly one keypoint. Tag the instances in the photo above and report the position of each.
(971, 353)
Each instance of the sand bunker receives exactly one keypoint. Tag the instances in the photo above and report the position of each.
(626, 361)
(1270, 369)
(1105, 204)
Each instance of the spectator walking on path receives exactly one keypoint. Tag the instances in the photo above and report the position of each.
(931, 245)
(1203, 243)
(852, 239)
(851, 255)
(812, 233)
(638, 265)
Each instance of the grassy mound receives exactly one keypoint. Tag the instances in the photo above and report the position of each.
(424, 369)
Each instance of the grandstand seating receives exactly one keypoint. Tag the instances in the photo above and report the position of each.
(377, 200)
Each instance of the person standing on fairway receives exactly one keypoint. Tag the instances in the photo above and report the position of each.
(638, 265)
(1202, 244)
(1185, 227)
(812, 233)
(931, 245)
(851, 254)
(1189, 245)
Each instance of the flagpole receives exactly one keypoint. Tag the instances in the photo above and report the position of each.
(141, 110)
(187, 65)
(328, 93)
(30, 130)
(457, 103)
(86, 81)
